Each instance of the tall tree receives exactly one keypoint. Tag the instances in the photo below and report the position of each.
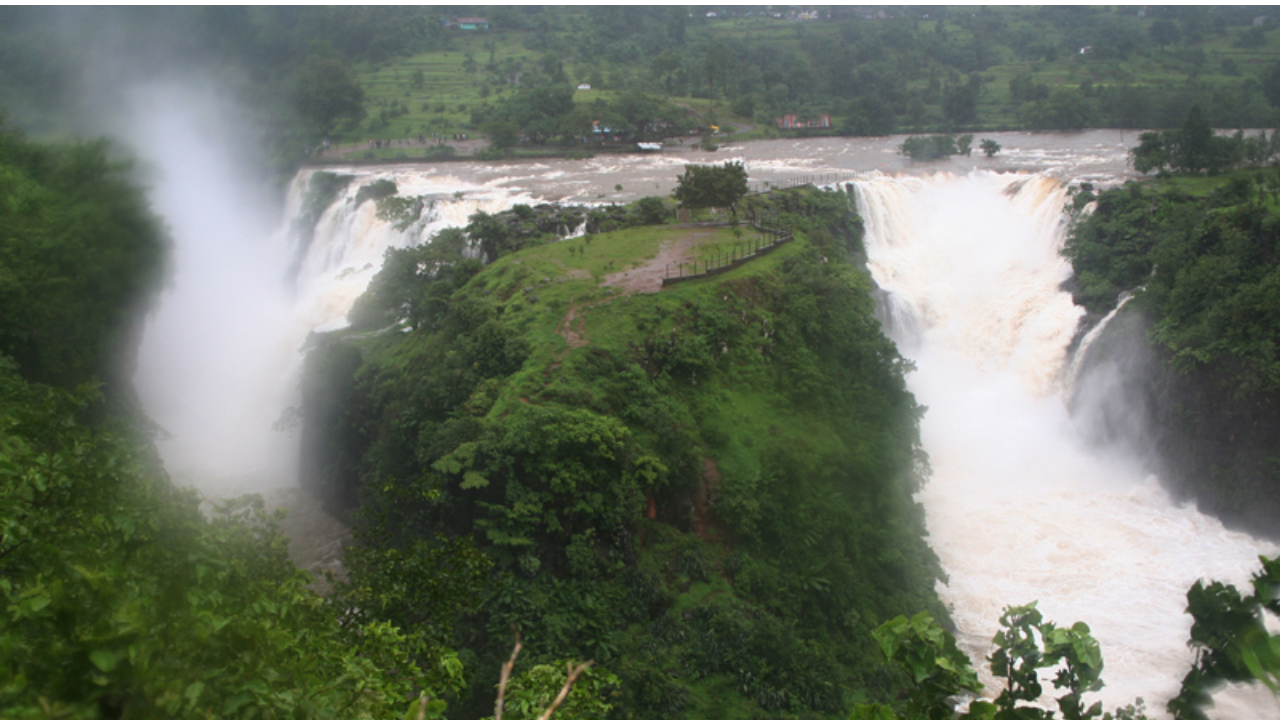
(325, 93)
(703, 186)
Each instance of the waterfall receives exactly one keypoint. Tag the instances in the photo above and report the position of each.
(1019, 508)
(1078, 358)
(347, 248)
(221, 357)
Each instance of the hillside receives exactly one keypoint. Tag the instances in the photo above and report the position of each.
(1194, 353)
(707, 488)
(873, 71)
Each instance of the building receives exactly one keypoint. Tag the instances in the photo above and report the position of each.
(471, 23)
(789, 122)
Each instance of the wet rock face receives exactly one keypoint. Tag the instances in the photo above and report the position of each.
(1206, 442)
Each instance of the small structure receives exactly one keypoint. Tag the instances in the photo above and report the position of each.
(584, 86)
(649, 147)
(789, 122)
(472, 23)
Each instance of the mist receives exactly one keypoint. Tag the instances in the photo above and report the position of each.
(217, 363)
(216, 354)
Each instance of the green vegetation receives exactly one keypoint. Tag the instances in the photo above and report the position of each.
(1195, 148)
(925, 70)
(1229, 635)
(406, 77)
(1206, 263)
(121, 597)
(709, 186)
(922, 149)
(1200, 255)
(708, 490)
(79, 253)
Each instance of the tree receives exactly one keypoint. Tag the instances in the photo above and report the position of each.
(1231, 640)
(704, 186)
(325, 92)
(1025, 645)
(652, 210)
(80, 252)
(666, 66)
(717, 63)
(1194, 150)
(932, 147)
(124, 599)
(990, 147)
(534, 691)
(503, 134)
(1164, 32)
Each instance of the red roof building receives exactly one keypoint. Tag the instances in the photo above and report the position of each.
(789, 122)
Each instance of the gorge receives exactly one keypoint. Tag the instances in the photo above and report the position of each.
(1019, 506)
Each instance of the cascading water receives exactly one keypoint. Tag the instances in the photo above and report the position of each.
(1018, 508)
(220, 359)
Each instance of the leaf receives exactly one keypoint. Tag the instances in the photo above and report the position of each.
(105, 660)
(473, 480)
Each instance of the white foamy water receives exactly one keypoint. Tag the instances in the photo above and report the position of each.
(1018, 508)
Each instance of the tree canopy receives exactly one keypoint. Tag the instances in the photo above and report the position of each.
(703, 186)
(80, 253)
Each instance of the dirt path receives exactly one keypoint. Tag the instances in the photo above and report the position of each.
(572, 337)
(646, 278)
(354, 151)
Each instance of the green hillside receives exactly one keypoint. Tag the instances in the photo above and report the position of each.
(873, 70)
(707, 489)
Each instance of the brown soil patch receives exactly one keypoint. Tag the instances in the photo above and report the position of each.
(710, 485)
(572, 336)
(648, 277)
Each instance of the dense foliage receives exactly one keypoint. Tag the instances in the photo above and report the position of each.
(404, 72)
(704, 186)
(1195, 148)
(120, 595)
(712, 499)
(1207, 264)
(1195, 349)
(1229, 636)
(79, 254)
(934, 147)
(123, 600)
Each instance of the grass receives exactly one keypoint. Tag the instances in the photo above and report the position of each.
(479, 69)
(536, 287)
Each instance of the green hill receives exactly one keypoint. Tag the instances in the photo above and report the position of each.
(706, 489)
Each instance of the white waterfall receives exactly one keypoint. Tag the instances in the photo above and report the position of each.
(1018, 508)
(221, 356)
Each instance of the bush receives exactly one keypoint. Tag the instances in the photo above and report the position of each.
(652, 210)
(376, 190)
(491, 153)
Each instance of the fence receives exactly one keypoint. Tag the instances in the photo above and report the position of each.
(827, 178)
(769, 235)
